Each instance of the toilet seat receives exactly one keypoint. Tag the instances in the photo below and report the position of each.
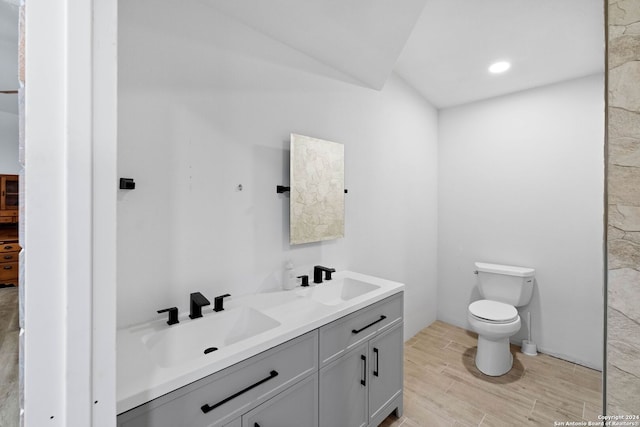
(493, 311)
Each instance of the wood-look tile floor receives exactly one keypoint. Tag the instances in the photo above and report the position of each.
(9, 327)
(443, 387)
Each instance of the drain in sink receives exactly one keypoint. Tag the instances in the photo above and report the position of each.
(210, 349)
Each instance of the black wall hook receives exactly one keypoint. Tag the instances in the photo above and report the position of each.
(127, 184)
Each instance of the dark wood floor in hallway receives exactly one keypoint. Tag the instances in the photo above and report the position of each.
(9, 328)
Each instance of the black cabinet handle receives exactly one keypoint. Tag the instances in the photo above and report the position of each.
(377, 369)
(357, 331)
(363, 381)
(8, 256)
(8, 267)
(8, 247)
(208, 408)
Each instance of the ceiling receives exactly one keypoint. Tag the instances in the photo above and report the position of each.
(454, 42)
(361, 38)
(440, 47)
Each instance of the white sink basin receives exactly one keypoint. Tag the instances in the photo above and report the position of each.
(191, 338)
(338, 291)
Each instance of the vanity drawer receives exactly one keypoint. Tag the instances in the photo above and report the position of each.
(8, 270)
(346, 333)
(224, 396)
(295, 407)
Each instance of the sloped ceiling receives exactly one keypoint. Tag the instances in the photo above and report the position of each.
(361, 38)
(441, 47)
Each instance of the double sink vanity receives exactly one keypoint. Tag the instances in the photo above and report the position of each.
(329, 355)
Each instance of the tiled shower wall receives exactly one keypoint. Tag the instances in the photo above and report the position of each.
(623, 317)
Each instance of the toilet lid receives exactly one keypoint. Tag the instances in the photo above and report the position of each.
(493, 311)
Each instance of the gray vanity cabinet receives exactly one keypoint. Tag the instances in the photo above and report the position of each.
(361, 366)
(347, 373)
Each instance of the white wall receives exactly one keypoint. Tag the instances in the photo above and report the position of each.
(9, 163)
(205, 104)
(521, 183)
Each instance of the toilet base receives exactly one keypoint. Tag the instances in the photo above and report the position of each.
(493, 357)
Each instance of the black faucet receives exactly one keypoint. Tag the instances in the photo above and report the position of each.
(197, 302)
(317, 273)
(173, 315)
(217, 302)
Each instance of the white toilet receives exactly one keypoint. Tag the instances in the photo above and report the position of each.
(495, 318)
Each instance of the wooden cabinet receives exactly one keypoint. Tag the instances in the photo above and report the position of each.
(9, 263)
(9, 191)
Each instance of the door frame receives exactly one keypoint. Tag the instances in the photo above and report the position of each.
(68, 143)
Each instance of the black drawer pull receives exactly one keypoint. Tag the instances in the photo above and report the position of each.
(8, 247)
(376, 371)
(208, 408)
(8, 267)
(363, 381)
(8, 256)
(357, 331)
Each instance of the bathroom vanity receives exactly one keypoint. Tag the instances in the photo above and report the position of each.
(328, 355)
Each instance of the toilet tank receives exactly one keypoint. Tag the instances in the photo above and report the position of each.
(505, 283)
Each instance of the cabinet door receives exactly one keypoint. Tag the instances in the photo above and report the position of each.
(343, 390)
(385, 370)
(295, 407)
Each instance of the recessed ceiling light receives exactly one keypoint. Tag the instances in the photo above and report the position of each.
(499, 67)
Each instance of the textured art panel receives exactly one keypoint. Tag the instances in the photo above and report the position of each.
(317, 190)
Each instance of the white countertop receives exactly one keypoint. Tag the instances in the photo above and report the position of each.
(140, 379)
